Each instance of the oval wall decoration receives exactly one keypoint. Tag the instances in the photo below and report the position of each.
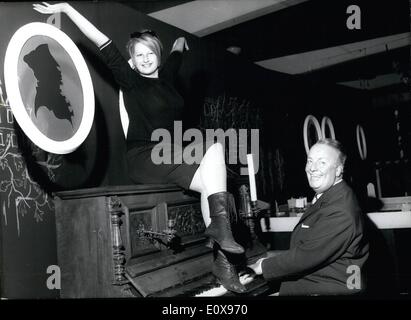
(326, 122)
(49, 87)
(361, 142)
(311, 121)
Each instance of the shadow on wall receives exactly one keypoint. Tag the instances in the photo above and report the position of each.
(77, 169)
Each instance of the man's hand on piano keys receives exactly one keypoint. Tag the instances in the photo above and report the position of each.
(256, 267)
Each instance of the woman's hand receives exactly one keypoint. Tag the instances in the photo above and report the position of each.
(180, 45)
(47, 8)
(85, 26)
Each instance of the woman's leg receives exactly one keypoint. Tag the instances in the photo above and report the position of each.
(210, 180)
(196, 185)
(210, 177)
(213, 170)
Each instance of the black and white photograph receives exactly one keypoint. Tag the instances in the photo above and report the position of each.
(184, 150)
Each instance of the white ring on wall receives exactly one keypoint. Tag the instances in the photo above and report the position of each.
(16, 44)
(361, 144)
(327, 121)
(308, 119)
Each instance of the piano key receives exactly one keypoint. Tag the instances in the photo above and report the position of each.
(191, 288)
(219, 290)
(200, 289)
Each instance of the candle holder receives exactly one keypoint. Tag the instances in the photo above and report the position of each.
(253, 218)
(250, 213)
(254, 207)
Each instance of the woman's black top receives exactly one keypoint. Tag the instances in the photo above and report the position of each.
(151, 103)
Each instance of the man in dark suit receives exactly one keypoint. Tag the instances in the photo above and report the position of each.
(328, 249)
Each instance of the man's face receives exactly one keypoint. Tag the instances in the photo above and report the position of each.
(322, 167)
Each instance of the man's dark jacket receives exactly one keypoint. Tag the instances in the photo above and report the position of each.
(327, 248)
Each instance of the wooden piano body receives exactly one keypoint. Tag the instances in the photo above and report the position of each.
(104, 250)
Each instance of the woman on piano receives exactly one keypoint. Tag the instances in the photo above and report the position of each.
(152, 103)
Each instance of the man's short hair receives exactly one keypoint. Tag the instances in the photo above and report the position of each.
(336, 145)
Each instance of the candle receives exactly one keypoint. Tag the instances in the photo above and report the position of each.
(253, 191)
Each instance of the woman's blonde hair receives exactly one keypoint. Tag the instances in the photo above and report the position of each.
(149, 39)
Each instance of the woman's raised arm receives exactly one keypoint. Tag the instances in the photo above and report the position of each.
(180, 45)
(85, 26)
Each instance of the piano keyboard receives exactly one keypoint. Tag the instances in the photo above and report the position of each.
(220, 290)
(208, 287)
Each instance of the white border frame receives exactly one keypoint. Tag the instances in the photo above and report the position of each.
(305, 130)
(362, 149)
(18, 40)
(327, 121)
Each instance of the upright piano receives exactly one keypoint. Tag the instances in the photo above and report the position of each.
(138, 241)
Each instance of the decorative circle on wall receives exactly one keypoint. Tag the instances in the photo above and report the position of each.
(326, 122)
(309, 122)
(49, 87)
(361, 142)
